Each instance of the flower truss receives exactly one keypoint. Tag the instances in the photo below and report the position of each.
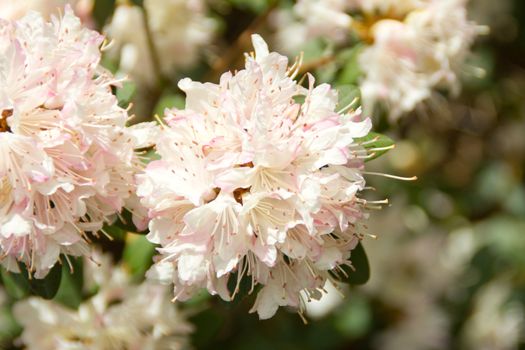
(178, 29)
(66, 158)
(17, 9)
(412, 46)
(258, 180)
(121, 315)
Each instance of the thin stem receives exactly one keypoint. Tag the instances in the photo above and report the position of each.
(236, 50)
(152, 48)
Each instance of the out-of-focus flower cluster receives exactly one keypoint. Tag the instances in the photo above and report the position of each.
(13, 10)
(412, 47)
(66, 158)
(177, 29)
(252, 183)
(121, 315)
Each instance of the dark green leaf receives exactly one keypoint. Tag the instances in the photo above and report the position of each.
(70, 291)
(361, 269)
(348, 94)
(245, 286)
(46, 287)
(126, 93)
(125, 222)
(376, 144)
(15, 284)
(115, 232)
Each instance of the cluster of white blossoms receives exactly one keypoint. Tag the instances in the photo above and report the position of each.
(258, 179)
(121, 315)
(413, 46)
(16, 9)
(66, 158)
(178, 30)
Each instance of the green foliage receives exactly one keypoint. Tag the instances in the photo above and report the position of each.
(376, 144)
(359, 273)
(256, 6)
(351, 71)
(125, 224)
(138, 254)
(169, 100)
(19, 285)
(15, 284)
(125, 93)
(348, 95)
(70, 291)
(354, 319)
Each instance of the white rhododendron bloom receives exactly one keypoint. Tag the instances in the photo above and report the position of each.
(327, 18)
(121, 315)
(413, 46)
(16, 9)
(334, 19)
(179, 29)
(410, 59)
(252, 183)
(66, 158)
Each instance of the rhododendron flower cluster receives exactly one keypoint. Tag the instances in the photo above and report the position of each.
(253, 183)
(16, 9)
(178, 29)
(413, 46)
(121, 315)
(66, 158)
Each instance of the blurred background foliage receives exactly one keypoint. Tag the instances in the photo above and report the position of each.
(448, 264)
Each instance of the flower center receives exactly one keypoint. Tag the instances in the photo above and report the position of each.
(237, 194)
(6, 113)
(363, 26)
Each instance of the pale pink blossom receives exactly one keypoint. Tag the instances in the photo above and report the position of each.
(412, 47)
(252, 183)
(121, 315)
(412, 58)
(179, 30)
(66, 158)
(16, 9)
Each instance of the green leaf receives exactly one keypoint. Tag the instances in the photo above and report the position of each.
(9, 327)
(256, 6)
(314, 50)
(138, 255)
(46, 287)
(347, 94)
(115, 232)
(70, 291)
(169, 101)
(354, 318)
(245, 286)
(361, 269)
(125, 222)
(349, 59)
(376, 144)
(20, 285)
(126, 93)
(150, 156)
(15, 284)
